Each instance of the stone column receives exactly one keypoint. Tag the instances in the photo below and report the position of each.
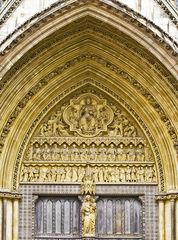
(1, 218)
(9, 203)
(168, 211)
(161, 220)
(8, 217)
(15, 218)
(176, 218)
(168, 220)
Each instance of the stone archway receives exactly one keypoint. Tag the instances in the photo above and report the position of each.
(117, 57)
(89, 143)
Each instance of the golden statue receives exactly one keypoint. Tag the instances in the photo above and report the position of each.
(88, 211)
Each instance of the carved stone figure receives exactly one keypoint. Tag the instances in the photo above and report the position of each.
(88, 211)
(60, 174)
(141, 174)
(88, 114)
(95, 175)
(55, 155)
(30, 174)
(111, 154)
(128, 174)
(131, 153)
(133, 174)
(81, 174)
(84, 153)
(46, 152)
(129, 130)
(117, 126)
(149, 174)
(36, 173)
(53, 174)
(74, 153)
(68, 177)
(24, 174)
(37, 152)
(102, 153)
(45, 130)
(122, 175)
(74, 174)
(107, 174)
(43, 174)
(88, 186)
(93, 152)
(117, 174)
(140, 156)
(100, 174)
(121, 153)
(65, 153)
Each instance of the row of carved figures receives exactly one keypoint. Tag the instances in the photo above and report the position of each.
(84, 153)
(99, 174)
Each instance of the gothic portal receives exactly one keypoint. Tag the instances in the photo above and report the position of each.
(88, 131)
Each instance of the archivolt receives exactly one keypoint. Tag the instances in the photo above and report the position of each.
(53, 34)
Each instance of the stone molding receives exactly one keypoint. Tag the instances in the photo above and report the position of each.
(103, 62)
(170, 81)
(168, 42)
(15, 3)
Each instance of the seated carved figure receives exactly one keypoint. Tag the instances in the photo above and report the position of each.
(88, 121)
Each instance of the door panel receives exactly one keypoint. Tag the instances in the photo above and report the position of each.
(59, 218)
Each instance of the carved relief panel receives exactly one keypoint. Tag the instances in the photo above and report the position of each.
(89, 129)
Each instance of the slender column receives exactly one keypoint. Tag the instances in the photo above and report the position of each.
(176, 218)
(161, 220)
(168, 220)
(1, 217)
(8, 223)
(15, 218)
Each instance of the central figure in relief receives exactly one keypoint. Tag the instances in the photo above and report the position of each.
(88, 115)
(88, 120)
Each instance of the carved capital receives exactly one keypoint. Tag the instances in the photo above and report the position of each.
(167, 197)
(10, 195)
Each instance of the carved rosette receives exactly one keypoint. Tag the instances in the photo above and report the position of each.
(88, 115)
